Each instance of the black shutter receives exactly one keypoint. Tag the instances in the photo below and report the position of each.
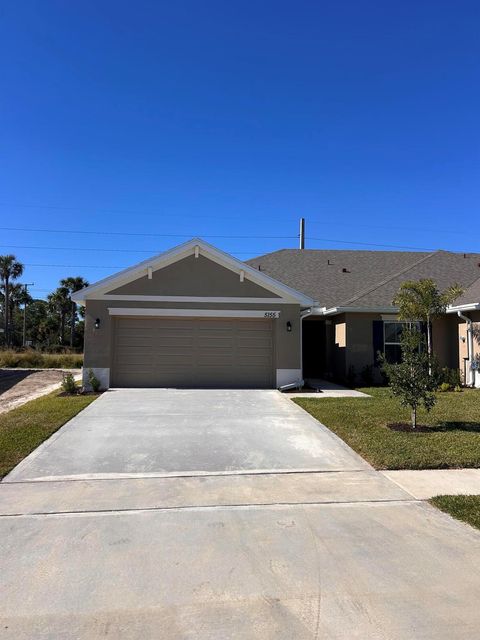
(377, 340)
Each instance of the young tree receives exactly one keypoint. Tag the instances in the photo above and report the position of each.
(10, 269)
(420, 300)
(73, 285)
(410, 380)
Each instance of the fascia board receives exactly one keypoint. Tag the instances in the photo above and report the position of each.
(473, 306)
(336, 310)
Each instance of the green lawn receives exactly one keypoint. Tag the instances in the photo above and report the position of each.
(466, 508)
(452, 440)
(24, 428)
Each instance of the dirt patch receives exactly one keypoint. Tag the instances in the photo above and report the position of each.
(18, 386)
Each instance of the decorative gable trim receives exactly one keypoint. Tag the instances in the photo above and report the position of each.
(196, 246)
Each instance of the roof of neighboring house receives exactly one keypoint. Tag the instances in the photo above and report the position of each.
(471, 295)
(364, 279)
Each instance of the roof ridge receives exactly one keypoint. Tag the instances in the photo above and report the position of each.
(388, 279)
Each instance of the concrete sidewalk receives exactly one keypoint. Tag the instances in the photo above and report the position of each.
(427, 483)
(326, 389)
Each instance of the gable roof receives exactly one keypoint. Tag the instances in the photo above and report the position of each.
(364, 279)
(102, 287)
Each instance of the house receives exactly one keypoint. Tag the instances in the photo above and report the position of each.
(354, 317)
(467, 309)
(195, 316)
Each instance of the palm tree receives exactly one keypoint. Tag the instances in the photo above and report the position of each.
(420, 300)
(18, 296)
(73, 285)
(59, 303)
(10, 269)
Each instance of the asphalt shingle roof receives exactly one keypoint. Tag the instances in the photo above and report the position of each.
(364, 278)
(471, 295)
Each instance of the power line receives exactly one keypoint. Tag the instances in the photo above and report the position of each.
(147, 235)
(155, 251)
(149, 251)
(123, 211)
(388, 227)
(372, 244)
(347, 242)
(76, 266)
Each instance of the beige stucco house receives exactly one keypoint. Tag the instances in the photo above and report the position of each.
(195, 316)
(467, 310)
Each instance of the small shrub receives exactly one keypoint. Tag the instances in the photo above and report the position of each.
(93, 381)
(68, 383)
(458, 388)
(367, 375)
(450, 376)
(444, 387)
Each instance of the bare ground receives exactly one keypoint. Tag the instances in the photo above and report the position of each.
(18, 386)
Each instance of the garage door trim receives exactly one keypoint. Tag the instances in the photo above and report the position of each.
(195, 313)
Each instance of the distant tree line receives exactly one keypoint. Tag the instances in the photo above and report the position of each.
(55, 323)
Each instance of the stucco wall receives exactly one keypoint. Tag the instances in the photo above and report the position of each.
(358, 350)
(445, 340)
(360, 340)
(194, 277)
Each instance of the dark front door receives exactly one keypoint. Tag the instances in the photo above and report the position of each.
(313, 348)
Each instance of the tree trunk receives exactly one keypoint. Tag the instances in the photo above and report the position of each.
(72, 323)
(429, 346)
(414, 417)
(62, 327)
(5, 312)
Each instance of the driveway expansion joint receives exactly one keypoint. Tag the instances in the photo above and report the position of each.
(193, 507)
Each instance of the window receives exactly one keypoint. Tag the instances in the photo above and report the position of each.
(392, 335)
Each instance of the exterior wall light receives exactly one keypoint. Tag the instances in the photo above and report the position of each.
(97, 323)
(289, 326)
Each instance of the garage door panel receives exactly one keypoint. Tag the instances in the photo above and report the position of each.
(192, 352)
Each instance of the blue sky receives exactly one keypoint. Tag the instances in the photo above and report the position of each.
(235, 118)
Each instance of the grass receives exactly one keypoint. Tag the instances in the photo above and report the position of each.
(451, 441)
(32, 359)
(24, 428)
(465, 508)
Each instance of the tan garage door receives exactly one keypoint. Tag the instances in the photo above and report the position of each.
(192, 352)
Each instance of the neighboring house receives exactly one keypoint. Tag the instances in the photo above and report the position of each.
(196, 316)
(467, 309)
(354, 318)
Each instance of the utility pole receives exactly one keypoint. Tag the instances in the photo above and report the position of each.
(302, 233)
(26, 285)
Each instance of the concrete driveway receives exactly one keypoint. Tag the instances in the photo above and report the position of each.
(183, 432)
(210, 515)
